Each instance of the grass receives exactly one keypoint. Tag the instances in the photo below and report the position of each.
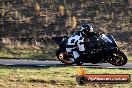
(48, 54)
(28, 54)
(52, 77)
(129, 58)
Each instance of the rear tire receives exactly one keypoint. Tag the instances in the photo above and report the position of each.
(118, 59)
(63, 56)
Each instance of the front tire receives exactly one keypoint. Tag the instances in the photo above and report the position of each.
(63, 56)
(118, 58)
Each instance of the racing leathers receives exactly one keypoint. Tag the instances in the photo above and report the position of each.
(75, 45)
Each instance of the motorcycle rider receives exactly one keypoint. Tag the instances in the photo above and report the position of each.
(75, 45)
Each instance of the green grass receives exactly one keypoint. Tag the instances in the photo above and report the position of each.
(48, 54)
(28, 54)
(53, 77)
(129, 58)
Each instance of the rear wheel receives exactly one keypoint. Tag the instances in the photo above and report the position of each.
(118, 58)
(63, 56)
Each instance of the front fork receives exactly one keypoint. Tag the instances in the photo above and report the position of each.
(110, 53)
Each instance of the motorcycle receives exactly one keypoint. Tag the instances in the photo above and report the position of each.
(101, 48)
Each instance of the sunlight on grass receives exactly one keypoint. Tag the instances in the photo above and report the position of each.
(28, 54)
(57, 76)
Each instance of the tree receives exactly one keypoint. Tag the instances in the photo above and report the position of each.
(37, 7)
(3, 9)
(73, 22)
(61, 10)
(17, 14)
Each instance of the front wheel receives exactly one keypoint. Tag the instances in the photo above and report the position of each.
(118, 58)
(63, 56)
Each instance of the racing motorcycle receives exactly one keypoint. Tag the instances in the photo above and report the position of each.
(100, 48)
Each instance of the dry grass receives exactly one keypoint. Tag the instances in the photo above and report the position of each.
(54, 77)
(32, 52)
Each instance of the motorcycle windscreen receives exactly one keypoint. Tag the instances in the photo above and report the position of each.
(106, 39)
(109, 43)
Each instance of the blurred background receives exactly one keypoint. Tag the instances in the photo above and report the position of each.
(26, 26)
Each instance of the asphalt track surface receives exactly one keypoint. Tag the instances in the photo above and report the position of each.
(35, 63)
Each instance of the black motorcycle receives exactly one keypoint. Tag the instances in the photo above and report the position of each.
(99, 48)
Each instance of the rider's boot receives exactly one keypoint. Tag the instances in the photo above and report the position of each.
(72, 59)
(79, 61)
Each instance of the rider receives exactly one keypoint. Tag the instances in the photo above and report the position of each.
(75, 44)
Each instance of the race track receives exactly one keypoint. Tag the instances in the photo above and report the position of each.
(35, 63)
